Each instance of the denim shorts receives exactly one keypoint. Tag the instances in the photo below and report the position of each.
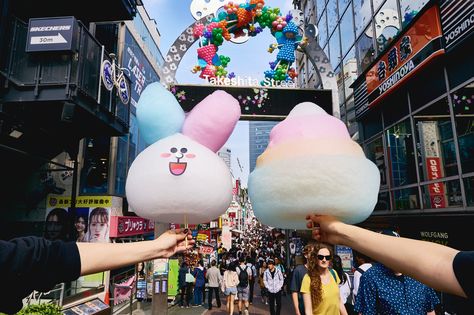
(229, 291)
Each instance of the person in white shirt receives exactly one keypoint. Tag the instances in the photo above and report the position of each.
(229, 284)
(345, 284)
(250, 264)
(214, 278)
(363, 263)
(273, 280)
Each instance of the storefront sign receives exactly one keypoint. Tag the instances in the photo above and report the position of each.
(435, 237)
(437, 189)
(51, 34)
(206, 250)
(128, 226)
(203, 236)
(415, 48)
(457, 21)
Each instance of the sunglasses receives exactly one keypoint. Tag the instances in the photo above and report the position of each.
(321, 257)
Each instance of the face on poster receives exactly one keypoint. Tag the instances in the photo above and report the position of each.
(99, 222)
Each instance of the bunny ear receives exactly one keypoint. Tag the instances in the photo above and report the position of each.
(212, 120)
(159, 114)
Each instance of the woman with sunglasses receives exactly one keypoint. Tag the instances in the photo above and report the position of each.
(320, 286)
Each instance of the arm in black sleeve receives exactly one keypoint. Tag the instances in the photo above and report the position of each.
(463, 265)
(33, 263)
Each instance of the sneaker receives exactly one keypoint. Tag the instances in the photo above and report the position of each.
(181, 306)
(246, 312)
(266, 303)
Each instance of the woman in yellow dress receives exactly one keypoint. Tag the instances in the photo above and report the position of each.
(320, 285)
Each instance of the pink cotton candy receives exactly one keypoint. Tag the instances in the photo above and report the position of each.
(212, 120)
(315, 126)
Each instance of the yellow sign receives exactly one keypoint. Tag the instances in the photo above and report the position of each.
(81, 201)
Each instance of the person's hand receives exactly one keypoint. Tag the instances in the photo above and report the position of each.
(174, 241)
(326, 229)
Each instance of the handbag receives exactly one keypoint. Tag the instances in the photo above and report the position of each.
(189, 278)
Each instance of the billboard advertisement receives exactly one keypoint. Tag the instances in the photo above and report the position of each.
(141, 71)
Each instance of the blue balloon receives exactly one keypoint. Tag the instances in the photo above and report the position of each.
(159, 114)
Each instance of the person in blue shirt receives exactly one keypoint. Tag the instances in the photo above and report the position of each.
(384, 291)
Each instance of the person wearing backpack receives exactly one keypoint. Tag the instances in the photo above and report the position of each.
(320, 286)
(243, 289)
(273, 280)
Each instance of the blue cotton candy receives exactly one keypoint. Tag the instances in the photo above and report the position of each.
(159, 114)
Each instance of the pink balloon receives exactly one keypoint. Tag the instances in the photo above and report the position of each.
(212, 120)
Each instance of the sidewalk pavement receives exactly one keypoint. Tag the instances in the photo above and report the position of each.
(257, 308)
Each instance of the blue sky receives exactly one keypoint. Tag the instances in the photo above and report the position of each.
(248, 59)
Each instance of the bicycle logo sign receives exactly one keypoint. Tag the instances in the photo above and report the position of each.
(113, 76)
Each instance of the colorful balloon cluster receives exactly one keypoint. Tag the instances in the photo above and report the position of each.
(251, 18)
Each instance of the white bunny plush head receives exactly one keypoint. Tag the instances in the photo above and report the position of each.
(179, 178)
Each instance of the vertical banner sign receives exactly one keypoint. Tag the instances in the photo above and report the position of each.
(457, 21)
(141, 71)
(226, 237)
(420, 44)
(430, 150)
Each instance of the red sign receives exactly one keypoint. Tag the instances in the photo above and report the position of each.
(128, 226)
(206, 250)
(437, 198)
(421, 43)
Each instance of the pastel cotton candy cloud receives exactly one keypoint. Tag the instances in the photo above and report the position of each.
(311, 165)
(176, 180)
(179, 178)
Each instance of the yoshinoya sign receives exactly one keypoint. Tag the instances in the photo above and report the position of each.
(421, 43)
(457, 21)
(51, 34)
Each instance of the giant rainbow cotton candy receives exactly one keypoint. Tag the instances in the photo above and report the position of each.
(312, 165)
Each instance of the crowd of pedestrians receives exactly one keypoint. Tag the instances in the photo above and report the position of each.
(315, 280)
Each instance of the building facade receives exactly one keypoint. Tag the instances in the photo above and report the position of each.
(412, 102)
(259, 135)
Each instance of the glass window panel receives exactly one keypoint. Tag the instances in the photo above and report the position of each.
(362, 15)
(320, 7)
(400, 154)
(376, 4)
(469, 188)
(335, 49)
(350, 71)
(435, 143)
(365, 49)
(343, 5)
(428, 85)
(372, 123)
(383, 202)
(406, 199)
(323, 30)
(94, 174)
(387, 24)
(340, 85)
(395, 106)
(347, 31)
(342, 110)
(121, 167)
(410, 9)
(331, 11)
(351, 120)
(463, 104)
(374, 152)
(442, 195)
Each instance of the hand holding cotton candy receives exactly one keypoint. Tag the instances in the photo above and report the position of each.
(179, 178)
(311, 165)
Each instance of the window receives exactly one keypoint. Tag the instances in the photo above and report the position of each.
(400, 154)
(343, 5)
(372, 123)
(332, 15)
(362, 15)
(383, 202)
(469, 188)
(395, 106)
(323, 30)
(365, 49)
(406, 199)
(463, 106)
(350, 71)
(375, 153)
(387, 25)
(335, 49)
(340, 85)
(121, 168)
(376, 4)
(442, 195)
(347, 31)
(435, 143)
(410, 9)
(94, 174)
(320, 7)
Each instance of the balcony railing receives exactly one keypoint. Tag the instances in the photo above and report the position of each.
(60, 76)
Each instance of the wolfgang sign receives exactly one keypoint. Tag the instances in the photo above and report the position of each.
(420, 44)
(457, 21)
(51, 34)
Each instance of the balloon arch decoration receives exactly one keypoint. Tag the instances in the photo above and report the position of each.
(236, 22)
(251, 18)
